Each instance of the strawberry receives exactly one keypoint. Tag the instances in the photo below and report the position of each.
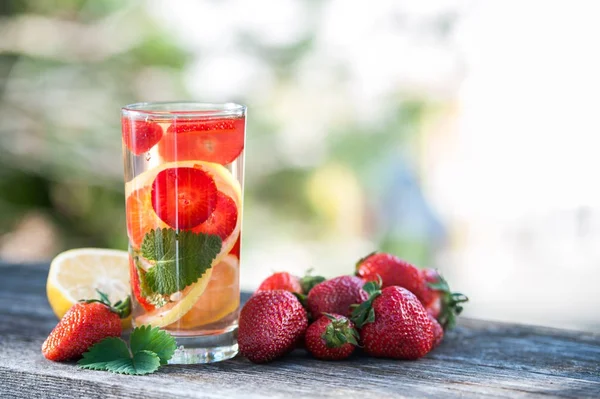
(336, 296)
(134, 277)
(140, 136)
(85, 324)
(438, 331)
(392, 271)
(184, 197)
(236, 250)
(222, 221)
(393, 324)
(428, 286)
(331, 337)
(443, 304)
(211, 140)
(281, 281)
(271, 324)
(291, 283)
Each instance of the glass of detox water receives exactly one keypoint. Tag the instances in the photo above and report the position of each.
(184, 168)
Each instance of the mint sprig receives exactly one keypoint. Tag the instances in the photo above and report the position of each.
(150, 348)
(180, 259)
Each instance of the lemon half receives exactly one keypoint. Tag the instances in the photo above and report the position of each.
(77, 274)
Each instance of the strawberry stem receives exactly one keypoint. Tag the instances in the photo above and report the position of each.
(308, 282)
(122, 307)
(451, 303)
(364, 313)
(339, 332)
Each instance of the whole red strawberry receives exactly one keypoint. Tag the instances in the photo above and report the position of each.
(289, 282)
(438, 332)
(85, 324)
(271, 324)
(394, 324)
(427, 284)
(331, 337)
(281, 281)
(336, 296)
(392, 271)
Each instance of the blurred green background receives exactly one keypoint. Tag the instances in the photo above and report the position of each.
(72, 64)
(393, 126)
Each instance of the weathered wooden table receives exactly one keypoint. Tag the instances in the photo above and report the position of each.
(477, 359)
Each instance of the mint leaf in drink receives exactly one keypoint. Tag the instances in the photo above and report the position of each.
(180, 259)
(155, 340)
(153, 298)
(150, 348)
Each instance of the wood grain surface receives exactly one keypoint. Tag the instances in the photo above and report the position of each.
(478, 359)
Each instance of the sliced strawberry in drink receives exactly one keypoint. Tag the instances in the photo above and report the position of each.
(134, 275)
(184, 197)
(236, 250)
(217, 140)
(140, 136)
(222, 221)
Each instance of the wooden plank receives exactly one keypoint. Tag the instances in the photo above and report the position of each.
(478, 358)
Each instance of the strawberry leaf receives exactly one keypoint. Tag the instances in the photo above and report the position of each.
(154, 340)
(143, 362)
(180, 259)
(151, 348)
(105, 351)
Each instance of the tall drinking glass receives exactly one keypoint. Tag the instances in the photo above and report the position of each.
(184, 168)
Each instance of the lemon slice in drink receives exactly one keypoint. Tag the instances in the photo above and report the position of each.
(77, 274)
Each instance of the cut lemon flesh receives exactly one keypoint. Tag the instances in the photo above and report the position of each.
(77, 274)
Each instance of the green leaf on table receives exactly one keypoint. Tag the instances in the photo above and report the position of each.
(143, 362)
(105, 351)
(150, 348)
(180, 259)
(154, 340)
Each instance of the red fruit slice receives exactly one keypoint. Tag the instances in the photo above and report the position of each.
(135, 285)
(222, 221)
(218, 140)
(140, 136)
(184, 197)
(236, 249)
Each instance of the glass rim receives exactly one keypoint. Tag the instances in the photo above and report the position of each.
(184, 109)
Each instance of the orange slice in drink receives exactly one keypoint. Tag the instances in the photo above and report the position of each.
(221, 297)
(140, 216)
